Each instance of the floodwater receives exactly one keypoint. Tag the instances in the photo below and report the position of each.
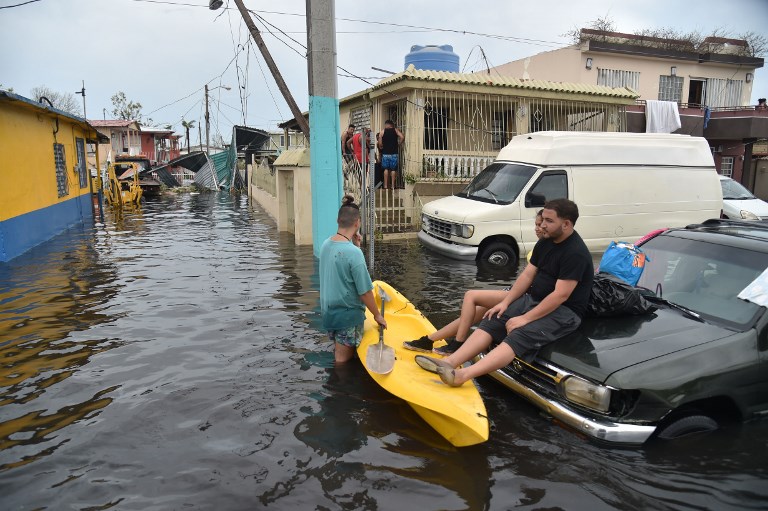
(173, 360)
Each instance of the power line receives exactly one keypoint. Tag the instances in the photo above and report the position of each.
(420, 28)
(19, 5)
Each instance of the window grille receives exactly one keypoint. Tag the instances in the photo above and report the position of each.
(726, 166)
(618, 78)
(670, 88)
(81, 167)
(61, 169)
(499, 129)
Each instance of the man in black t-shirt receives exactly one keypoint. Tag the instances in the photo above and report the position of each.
(546, 302)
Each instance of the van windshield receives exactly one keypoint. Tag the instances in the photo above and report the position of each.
(498, 183)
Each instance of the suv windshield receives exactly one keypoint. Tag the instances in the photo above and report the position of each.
(733, 190)
(704, 277)
(499, 183)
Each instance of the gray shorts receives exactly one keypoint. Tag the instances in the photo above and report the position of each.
(526, 340)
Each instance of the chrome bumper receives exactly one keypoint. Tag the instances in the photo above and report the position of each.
(452, 250)
(603, 430)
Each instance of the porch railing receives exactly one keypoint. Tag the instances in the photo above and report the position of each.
(395, 212)
(449, 166)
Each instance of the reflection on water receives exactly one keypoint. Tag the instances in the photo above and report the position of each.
(172, 358)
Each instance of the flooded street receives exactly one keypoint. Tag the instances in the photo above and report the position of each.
(173, 360)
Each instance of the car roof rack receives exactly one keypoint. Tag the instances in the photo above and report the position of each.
(747, 228)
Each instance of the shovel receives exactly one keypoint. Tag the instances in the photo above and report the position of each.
(380, 358)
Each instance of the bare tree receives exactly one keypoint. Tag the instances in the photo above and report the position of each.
(125, 109)
(64, 101)
(757, 44)
(604, 24)
(673, 39)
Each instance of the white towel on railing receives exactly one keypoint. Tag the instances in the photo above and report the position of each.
(661, 116)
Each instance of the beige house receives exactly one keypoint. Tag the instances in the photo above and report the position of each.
(719, 73)
(711, 82)
(124, 136)
(454, 125)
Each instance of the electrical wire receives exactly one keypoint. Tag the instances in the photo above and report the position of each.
(19, 5)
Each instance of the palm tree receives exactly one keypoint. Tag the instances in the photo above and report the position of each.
(187, 125)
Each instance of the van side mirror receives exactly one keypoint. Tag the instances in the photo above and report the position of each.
(534, 200)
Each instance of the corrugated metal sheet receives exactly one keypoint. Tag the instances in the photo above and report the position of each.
(506, 81)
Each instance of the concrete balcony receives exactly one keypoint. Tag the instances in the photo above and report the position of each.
(725, 123)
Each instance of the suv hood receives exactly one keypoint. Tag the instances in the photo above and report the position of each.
(603, 346)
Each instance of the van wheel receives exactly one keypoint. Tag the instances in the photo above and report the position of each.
(687, 426)
(499, 254)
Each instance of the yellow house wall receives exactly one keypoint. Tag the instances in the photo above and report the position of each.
(28, 170)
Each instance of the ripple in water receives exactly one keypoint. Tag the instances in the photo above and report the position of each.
(173, 359)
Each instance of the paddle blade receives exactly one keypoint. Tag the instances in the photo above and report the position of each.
(380, 358)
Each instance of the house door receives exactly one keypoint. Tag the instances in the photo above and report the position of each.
(697, 92)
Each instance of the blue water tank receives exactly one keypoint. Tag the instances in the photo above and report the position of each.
(436, 58)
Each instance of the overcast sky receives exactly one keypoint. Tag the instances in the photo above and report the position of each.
(162, 53)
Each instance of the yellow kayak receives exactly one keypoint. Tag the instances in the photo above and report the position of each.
(458, 414)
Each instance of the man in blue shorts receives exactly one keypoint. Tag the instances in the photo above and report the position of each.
(546, 302)
(345, 285)
(390, 140)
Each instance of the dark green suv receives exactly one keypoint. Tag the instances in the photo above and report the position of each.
(700, 359)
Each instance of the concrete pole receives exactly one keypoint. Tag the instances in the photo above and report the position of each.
(324, 129)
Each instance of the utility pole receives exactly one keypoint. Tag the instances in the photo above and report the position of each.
(273, 68)
(325, 154)
(207, 124)
(82, 92)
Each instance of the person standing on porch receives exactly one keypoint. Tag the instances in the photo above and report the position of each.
(391, 140)
(346, 142)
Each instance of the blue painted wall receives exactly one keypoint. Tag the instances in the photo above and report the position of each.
(20, 233)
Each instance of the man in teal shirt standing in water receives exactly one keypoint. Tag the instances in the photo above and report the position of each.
(345, 285)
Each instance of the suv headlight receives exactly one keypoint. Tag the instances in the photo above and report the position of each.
(586, 394)
(462, 230)
(748, 215)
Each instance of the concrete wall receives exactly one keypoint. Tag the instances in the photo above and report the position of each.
(290, 206)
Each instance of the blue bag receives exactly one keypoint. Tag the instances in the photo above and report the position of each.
(624, 260)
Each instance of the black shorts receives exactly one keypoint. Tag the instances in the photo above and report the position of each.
(526, 340)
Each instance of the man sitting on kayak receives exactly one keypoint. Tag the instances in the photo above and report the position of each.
(546, 302)
(474, 305)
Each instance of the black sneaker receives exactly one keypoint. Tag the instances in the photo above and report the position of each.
(448, 349)
(422, 344)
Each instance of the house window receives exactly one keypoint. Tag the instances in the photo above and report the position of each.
(618, 78)
(726, 166)
(282, 140)
(61, 169)
(81, 172)
(499, 130)
(670, 88)
(436, 128)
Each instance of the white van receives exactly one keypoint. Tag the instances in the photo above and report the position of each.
(625, 185)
